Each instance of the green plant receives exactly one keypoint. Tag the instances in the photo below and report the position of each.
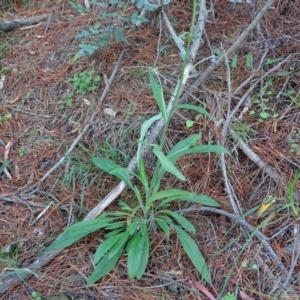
(249, 60)
(229, 296)
(9, 255)
(243, 131)
(26, 97)
(97, 37)
(293, 142)
(85, 82)
(265, 94)
(64, 102)
(5, 46)
(291, 94)
(291, 200)
(21, 151)
(5, 117)
(35, 296)
(129, 230)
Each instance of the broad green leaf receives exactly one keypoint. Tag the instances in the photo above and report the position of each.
(199, 109)
(207, 149)
(164, 227)
(167, 164)
(189, 123)
(159, 97)
(124, 205)
(137, 193)
(166, 219)
(134, 211)
(72, 235)
(104, 267)
(120, 244)
(144, 229)
(185, 223)
(132, 227)
(169, 193)
(142, 175)
(116, 225)
(133, 249)
(264, 115)
(113, 232)
(112, 168)
(105, 246)
(193, 253)
(138, 254)
(234, 62)
(144, 128)
(144, 256)
(201, 199)
(176, 194)
(177, 151)
(184, 148)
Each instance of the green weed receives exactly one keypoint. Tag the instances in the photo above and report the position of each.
(243, 131)
(85, 82)
(229, 296)
(261, 101)
(97, 37)
(129, 230)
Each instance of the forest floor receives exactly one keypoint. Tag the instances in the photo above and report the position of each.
(42, 112)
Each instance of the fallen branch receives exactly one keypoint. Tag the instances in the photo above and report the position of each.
(256, 159)
(7, 26)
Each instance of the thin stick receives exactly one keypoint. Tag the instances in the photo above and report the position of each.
(295, 257)
(256, 159)
(228, 186)
(236, 44)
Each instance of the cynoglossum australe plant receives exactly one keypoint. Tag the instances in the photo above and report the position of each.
(129, 230)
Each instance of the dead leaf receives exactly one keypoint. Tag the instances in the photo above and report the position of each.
(7, 149)
(15, 100)
(203, 289)
(109, 112)
(244, 296)
(2, 82)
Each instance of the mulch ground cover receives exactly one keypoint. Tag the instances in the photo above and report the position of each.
(39, 120)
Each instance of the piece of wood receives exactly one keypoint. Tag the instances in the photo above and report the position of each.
(18, 23)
